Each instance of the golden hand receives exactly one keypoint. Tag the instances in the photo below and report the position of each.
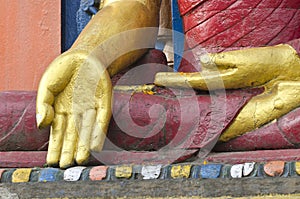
(276, 68)
(82, 91)
(75, 92)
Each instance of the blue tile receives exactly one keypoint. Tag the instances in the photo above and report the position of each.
(210, 170)
(48, 175)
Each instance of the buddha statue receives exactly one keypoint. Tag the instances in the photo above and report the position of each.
(75, 92)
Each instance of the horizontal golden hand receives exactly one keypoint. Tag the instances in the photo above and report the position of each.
(275, 68)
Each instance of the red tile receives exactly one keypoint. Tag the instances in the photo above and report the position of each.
(274, 168)
(98, 173)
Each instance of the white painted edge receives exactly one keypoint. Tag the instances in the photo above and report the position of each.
(248, 168)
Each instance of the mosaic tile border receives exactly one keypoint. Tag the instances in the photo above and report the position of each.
(151, 172)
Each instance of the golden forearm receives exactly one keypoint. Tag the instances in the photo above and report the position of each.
(106, 33)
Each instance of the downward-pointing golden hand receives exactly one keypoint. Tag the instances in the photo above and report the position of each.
(75, 92)
(80, 116)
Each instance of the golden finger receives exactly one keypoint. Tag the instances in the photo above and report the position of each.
(69, 143)
(56, 140)
(84, 139)
(44, 109)
(104, 112)
(202, 80)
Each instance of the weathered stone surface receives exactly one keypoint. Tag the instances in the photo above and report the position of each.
(158, 188)
(5, 194)
(140, 132)
(18, 159)
(27, 137)
(255, 156)
(18, 129)
(142, 157)
(290, 126)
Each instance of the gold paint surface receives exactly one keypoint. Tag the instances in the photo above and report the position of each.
(75, 92)
(276, 68)
(297, 167)
(181, 171)
(123, 171)
(21, 175)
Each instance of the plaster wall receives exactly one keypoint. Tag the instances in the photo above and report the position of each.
(30, 38)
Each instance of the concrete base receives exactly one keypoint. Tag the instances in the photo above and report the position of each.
(156, 188)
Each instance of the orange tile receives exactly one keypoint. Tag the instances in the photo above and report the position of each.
(98, 173)
(1, 172)
(274, 168)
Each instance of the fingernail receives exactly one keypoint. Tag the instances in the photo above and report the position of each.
(39, 119)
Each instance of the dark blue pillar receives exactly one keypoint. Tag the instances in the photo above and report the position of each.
(69, 23)
(178, 35)
(75, 15)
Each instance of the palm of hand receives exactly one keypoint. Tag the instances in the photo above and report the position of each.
(82, 109)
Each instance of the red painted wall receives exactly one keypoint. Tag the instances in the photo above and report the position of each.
(30, 38)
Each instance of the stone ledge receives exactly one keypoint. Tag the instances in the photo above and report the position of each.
(186, 188)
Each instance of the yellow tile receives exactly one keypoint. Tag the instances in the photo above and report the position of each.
(297, 165)
(181, 171)
(124, 172)
(21, 175)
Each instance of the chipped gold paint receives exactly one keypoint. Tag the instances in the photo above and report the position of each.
(77, 84)
(134, 88)
(275, 68)
(21, 175)
(181, 171)
(148, 92)
(297, 167)
(123, 171)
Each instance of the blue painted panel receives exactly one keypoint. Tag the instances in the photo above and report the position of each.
(75, 16)
(69, 23)
(178, 36)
